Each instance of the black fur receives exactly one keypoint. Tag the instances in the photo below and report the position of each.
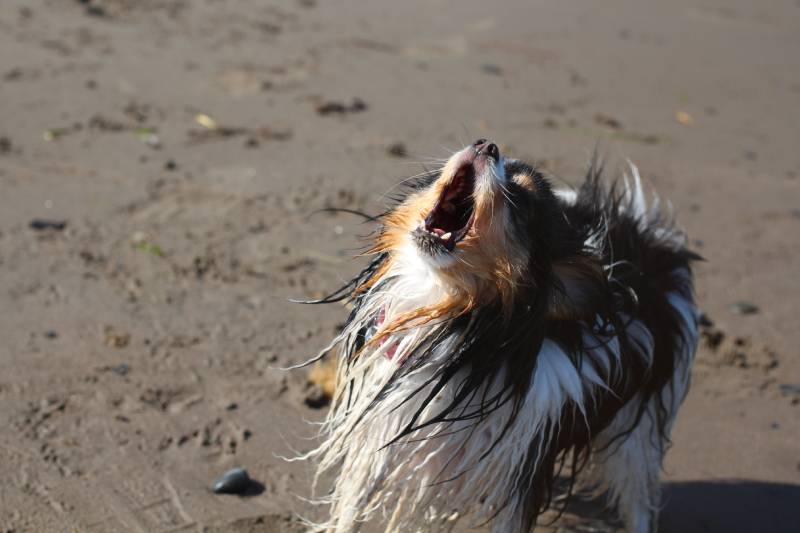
(634, 287)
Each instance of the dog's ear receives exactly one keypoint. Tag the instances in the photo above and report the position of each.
(577, 291)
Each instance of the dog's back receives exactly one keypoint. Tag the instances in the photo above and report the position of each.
(649, 267)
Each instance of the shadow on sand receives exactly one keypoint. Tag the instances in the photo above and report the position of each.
(730, 507)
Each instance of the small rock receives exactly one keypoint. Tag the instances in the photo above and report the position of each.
(743, 307)
(121, 369)
(704, 320)
(95, 11)
(170, 165)
(608, 121)
(14, 74)
(51, 334)
(712, 337)
(790, 389)
(5, 145)
(42, 224)
(684, 118)
(338, 108)
(152, 140)
(550, 123)
(330, 108)
(116, 339)
(234, 481)
(491, 68)
(232, 406)
(358, 105)
(397, 150)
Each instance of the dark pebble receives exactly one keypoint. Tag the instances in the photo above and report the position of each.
(234, 481)
(232, 406)
(5, 145)
(608, 121)
(397, 150)
(330, 108)
(790, 389)
(170, 165)
(41, 224)
(743, 307)
(338, 108)
(713, 337)
(51, 334)
(775, 425)
(14, 74)
(490, 68)
(358, 105)
(704, 321)
(550, 123)
(121, 369)
(95, 11)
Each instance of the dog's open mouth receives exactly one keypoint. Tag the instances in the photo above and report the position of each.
(451, 218)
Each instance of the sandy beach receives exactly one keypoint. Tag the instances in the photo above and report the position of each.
(161, 168)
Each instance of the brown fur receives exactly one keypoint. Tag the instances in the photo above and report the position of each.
(488, 262)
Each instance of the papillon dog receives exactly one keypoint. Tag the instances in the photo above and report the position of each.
(508, 343)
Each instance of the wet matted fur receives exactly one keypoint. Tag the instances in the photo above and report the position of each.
(503, 335)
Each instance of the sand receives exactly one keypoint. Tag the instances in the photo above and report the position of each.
(185, 145)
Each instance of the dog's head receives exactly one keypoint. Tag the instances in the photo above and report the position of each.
(479, 224)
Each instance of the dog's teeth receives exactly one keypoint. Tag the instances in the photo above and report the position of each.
(446, 236)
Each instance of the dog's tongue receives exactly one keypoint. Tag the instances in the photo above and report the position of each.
(391, 350)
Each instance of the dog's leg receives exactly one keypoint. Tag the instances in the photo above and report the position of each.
(629, 469)
(631, 473)
(629, 466)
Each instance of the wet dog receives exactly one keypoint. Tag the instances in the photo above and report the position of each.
(507, 339)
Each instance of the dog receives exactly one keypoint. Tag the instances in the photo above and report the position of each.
(508, 342)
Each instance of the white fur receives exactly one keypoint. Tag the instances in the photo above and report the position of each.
(569, 196)
(404, 483)
(436, 474)
(629, 468)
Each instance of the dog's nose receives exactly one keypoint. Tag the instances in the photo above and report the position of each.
(482, 146)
